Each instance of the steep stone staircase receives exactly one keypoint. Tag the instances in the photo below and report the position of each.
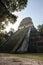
(24, 41)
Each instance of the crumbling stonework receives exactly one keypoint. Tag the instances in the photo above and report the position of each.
(26, 39)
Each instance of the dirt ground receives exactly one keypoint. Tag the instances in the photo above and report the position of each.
(5, 60)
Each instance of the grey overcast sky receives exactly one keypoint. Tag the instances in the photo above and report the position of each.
(34, 10)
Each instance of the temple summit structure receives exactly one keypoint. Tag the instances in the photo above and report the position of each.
(25, 40)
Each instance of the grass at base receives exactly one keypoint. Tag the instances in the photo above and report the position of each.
(37, 56)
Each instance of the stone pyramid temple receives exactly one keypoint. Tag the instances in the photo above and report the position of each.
(25, 40)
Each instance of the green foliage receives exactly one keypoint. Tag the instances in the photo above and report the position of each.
(37, 56)
(40, 28)
(5, 36)
(2, 38)
(14, 41)
(9, 6)
(13, 5)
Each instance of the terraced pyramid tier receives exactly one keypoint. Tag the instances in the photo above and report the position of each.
(26, 39)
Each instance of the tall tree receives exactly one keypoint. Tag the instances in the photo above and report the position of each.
(6, 9)
(9, 6)
(40, 28)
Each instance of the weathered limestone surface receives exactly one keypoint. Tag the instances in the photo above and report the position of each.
(26, 39)
(25, 44)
